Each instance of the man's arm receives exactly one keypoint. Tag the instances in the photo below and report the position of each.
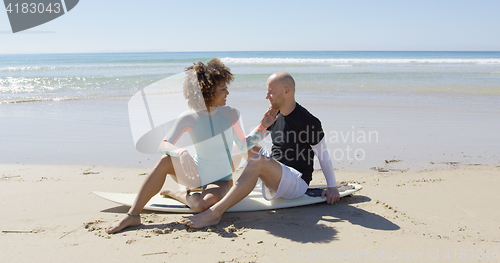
(332, 193)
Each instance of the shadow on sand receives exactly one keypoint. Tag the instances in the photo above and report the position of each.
(301, 224)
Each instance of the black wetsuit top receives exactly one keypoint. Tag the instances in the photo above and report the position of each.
(292, 137)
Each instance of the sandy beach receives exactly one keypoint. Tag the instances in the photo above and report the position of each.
(447, 214)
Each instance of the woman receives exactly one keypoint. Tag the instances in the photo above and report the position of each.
(213, 128)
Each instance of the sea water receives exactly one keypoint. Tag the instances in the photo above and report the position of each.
(418, 107)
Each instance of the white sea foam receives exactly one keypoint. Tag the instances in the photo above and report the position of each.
(230, 60)
(29, 68)
(33, 99)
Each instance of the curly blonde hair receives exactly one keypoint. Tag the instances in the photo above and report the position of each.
(201, 82)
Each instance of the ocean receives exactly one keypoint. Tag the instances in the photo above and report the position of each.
(425, 108)
(56, 77)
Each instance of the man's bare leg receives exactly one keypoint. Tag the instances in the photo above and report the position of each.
(268, 169)
(150, 187)
(200, 202)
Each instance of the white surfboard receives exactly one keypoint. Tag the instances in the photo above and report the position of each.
(253, 202)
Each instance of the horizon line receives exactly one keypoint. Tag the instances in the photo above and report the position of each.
(124, 52)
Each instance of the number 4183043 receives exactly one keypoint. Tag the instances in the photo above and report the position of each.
(33, 8)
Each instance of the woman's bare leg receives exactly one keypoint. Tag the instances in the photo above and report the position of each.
(150, 187)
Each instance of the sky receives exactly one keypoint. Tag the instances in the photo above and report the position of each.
(95, 26)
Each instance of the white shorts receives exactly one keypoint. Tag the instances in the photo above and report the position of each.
(291, 184)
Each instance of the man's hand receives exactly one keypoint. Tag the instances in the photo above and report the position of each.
(269, 117)
(332, 195)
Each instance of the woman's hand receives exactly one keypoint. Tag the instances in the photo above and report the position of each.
(269, 117)
(188, 165)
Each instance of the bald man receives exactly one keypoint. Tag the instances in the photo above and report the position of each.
(286, 171)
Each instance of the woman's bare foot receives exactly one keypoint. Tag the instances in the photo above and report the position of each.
(179, 195)
(201, 220)
(125, 222)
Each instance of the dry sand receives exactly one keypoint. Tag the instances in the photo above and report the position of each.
(48, 214)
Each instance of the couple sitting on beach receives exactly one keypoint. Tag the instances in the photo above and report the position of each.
(286, 171)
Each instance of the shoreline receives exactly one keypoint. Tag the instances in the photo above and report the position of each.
(388, 166)
(50, 209)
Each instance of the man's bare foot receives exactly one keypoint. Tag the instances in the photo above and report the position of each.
(125, 222)
(201, 220)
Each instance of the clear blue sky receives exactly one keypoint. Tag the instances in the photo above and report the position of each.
(161, 25)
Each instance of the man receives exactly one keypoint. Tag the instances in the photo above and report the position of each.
(286, 172)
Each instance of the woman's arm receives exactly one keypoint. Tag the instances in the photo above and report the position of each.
(170, 149)
(182, 124)
(167, 146)
(245, 143)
